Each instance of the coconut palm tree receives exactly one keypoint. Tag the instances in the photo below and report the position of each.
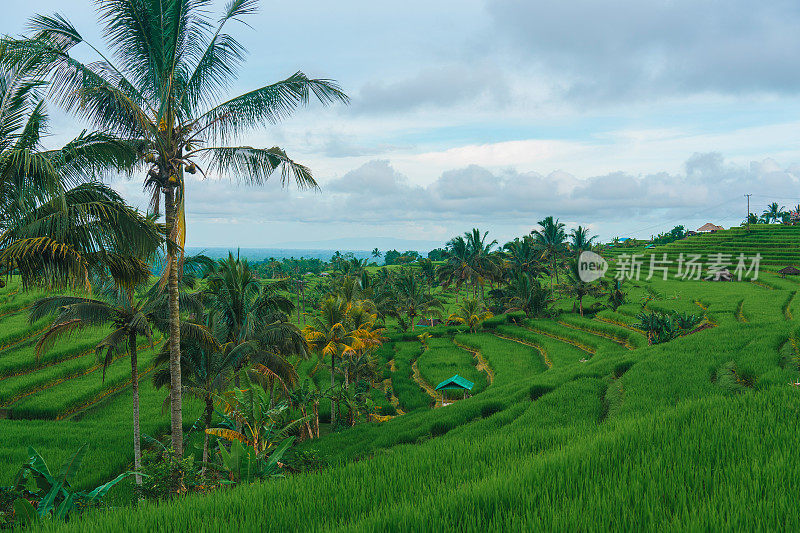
(164, 89)
(408, 297)
(580, 239)
(129, 318)
(579, 288)
(483, 262)
(470, 313)
(331, 334)
(773, 213)
(550, 238)
(457, 268)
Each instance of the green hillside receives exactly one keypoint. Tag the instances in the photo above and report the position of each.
(778, 244)
(583, 426)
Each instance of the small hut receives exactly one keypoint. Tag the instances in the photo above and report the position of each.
(429, 322)
(454, 383)
(708, 227)
(788, 271)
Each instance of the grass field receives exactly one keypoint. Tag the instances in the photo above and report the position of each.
(583, 426)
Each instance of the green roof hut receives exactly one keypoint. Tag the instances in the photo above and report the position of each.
(454, 383)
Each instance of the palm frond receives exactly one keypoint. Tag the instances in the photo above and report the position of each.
(256, 165)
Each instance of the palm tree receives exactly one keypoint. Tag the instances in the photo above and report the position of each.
(520, 256)
(376, 253)
(483, 263)
(471, 314)
(331, 334)
(56, 224)
(579, 288)
(752, 218)
(550, 238)
(616, 296)
(773, 213)
(407, 296)
(207, 368)
(526, 294)
(129, 319)
(247, 311)
(172, 66)
(580, 239)
(457, 268)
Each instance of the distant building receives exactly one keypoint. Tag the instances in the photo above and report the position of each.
(708, 227)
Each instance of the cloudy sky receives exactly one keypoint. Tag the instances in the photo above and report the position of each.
(624, 115)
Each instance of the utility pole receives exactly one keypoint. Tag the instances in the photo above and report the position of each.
(748, 212)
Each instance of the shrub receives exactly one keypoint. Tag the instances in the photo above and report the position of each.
(537, 391)
(488, 409)
(440, 428)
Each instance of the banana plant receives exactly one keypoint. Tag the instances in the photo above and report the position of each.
(57, 499)
(243, 465)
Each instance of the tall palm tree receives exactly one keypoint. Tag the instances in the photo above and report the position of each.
(580, 239)
(164, 89)
(550, 238)
(520, 255)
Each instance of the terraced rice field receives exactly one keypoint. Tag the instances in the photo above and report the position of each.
(581, 414)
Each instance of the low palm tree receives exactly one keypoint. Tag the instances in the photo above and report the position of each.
(331, 334)
(470, 313)
(407, 297)
(129, 318)
(526, 294)
(773, 213)
(579, 288)
(207, 369)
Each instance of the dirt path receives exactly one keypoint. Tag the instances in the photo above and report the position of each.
(582, 347)
(615, 340)
(547, 362)
(424, 384)
(482, 365)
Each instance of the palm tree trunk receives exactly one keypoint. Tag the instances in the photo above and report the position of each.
(333, 385)
(176, 415)
(316, 418)
(209, 411)
(137, 445)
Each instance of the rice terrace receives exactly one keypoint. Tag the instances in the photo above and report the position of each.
(414, 329)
